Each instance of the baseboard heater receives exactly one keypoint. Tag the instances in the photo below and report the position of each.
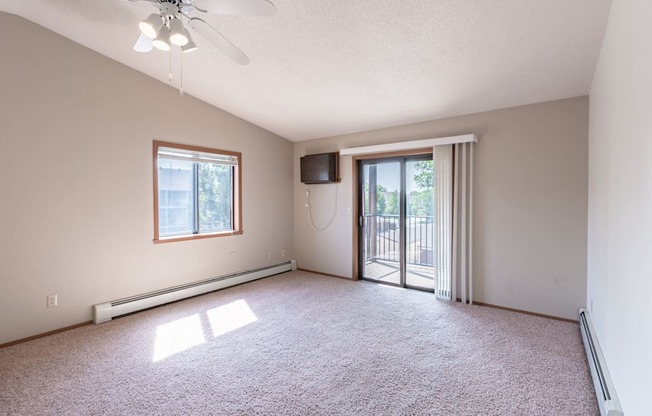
(604, 388)
(104, 312)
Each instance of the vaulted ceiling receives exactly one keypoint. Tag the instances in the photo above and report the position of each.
(324, 68)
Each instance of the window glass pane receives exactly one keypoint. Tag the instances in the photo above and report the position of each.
(420, 270)
(419, 192)
(215, 197)
(175, 197)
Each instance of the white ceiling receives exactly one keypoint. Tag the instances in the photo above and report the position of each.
(325, 68)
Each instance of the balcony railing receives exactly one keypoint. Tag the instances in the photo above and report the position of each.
(382, 239)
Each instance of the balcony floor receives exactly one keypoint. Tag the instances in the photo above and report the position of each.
(388, 271)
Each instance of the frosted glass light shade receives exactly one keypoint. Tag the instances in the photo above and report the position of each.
(162, 41)
(190, 46)
(150, 26)
(177, 33)
(144, 44)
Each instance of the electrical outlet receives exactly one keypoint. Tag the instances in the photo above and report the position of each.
(283, 253)
(269, 255)
(52, 301)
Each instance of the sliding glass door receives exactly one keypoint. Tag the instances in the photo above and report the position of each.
(396, 221)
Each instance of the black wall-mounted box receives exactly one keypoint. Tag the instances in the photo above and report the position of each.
(320, 168)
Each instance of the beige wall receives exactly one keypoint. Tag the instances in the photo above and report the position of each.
(620, 203)
(76, 180)
(530, 203)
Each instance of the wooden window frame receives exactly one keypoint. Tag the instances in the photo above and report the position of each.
(237, 194)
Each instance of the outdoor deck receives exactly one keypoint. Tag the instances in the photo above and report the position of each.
(388, 272)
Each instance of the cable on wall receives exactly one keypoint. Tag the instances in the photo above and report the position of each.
(332, 217)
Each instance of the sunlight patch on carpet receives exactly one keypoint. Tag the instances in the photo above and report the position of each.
(177, 336)
(390, 287)
(230, 317)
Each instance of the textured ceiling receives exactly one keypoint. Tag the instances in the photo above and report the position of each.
(324, 68)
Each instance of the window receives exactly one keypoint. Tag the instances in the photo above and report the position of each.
(196, 192)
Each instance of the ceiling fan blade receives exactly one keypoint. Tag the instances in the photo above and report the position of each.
(216, 38)
(248, 7)
(143, 44)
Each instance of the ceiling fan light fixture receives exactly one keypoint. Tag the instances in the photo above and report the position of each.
(177, 33)
(150, 26)
(144, 44)
(190, 46)
(162, 41)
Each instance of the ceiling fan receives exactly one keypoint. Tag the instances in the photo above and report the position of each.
(166, 28)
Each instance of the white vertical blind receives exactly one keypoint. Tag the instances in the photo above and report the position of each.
(456, 220)
(443, 181)
(470, 248)
(462, 213)
(453, 180)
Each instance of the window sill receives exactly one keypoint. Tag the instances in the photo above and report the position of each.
(195, 236)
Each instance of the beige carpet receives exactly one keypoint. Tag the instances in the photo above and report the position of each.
(302, 344)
